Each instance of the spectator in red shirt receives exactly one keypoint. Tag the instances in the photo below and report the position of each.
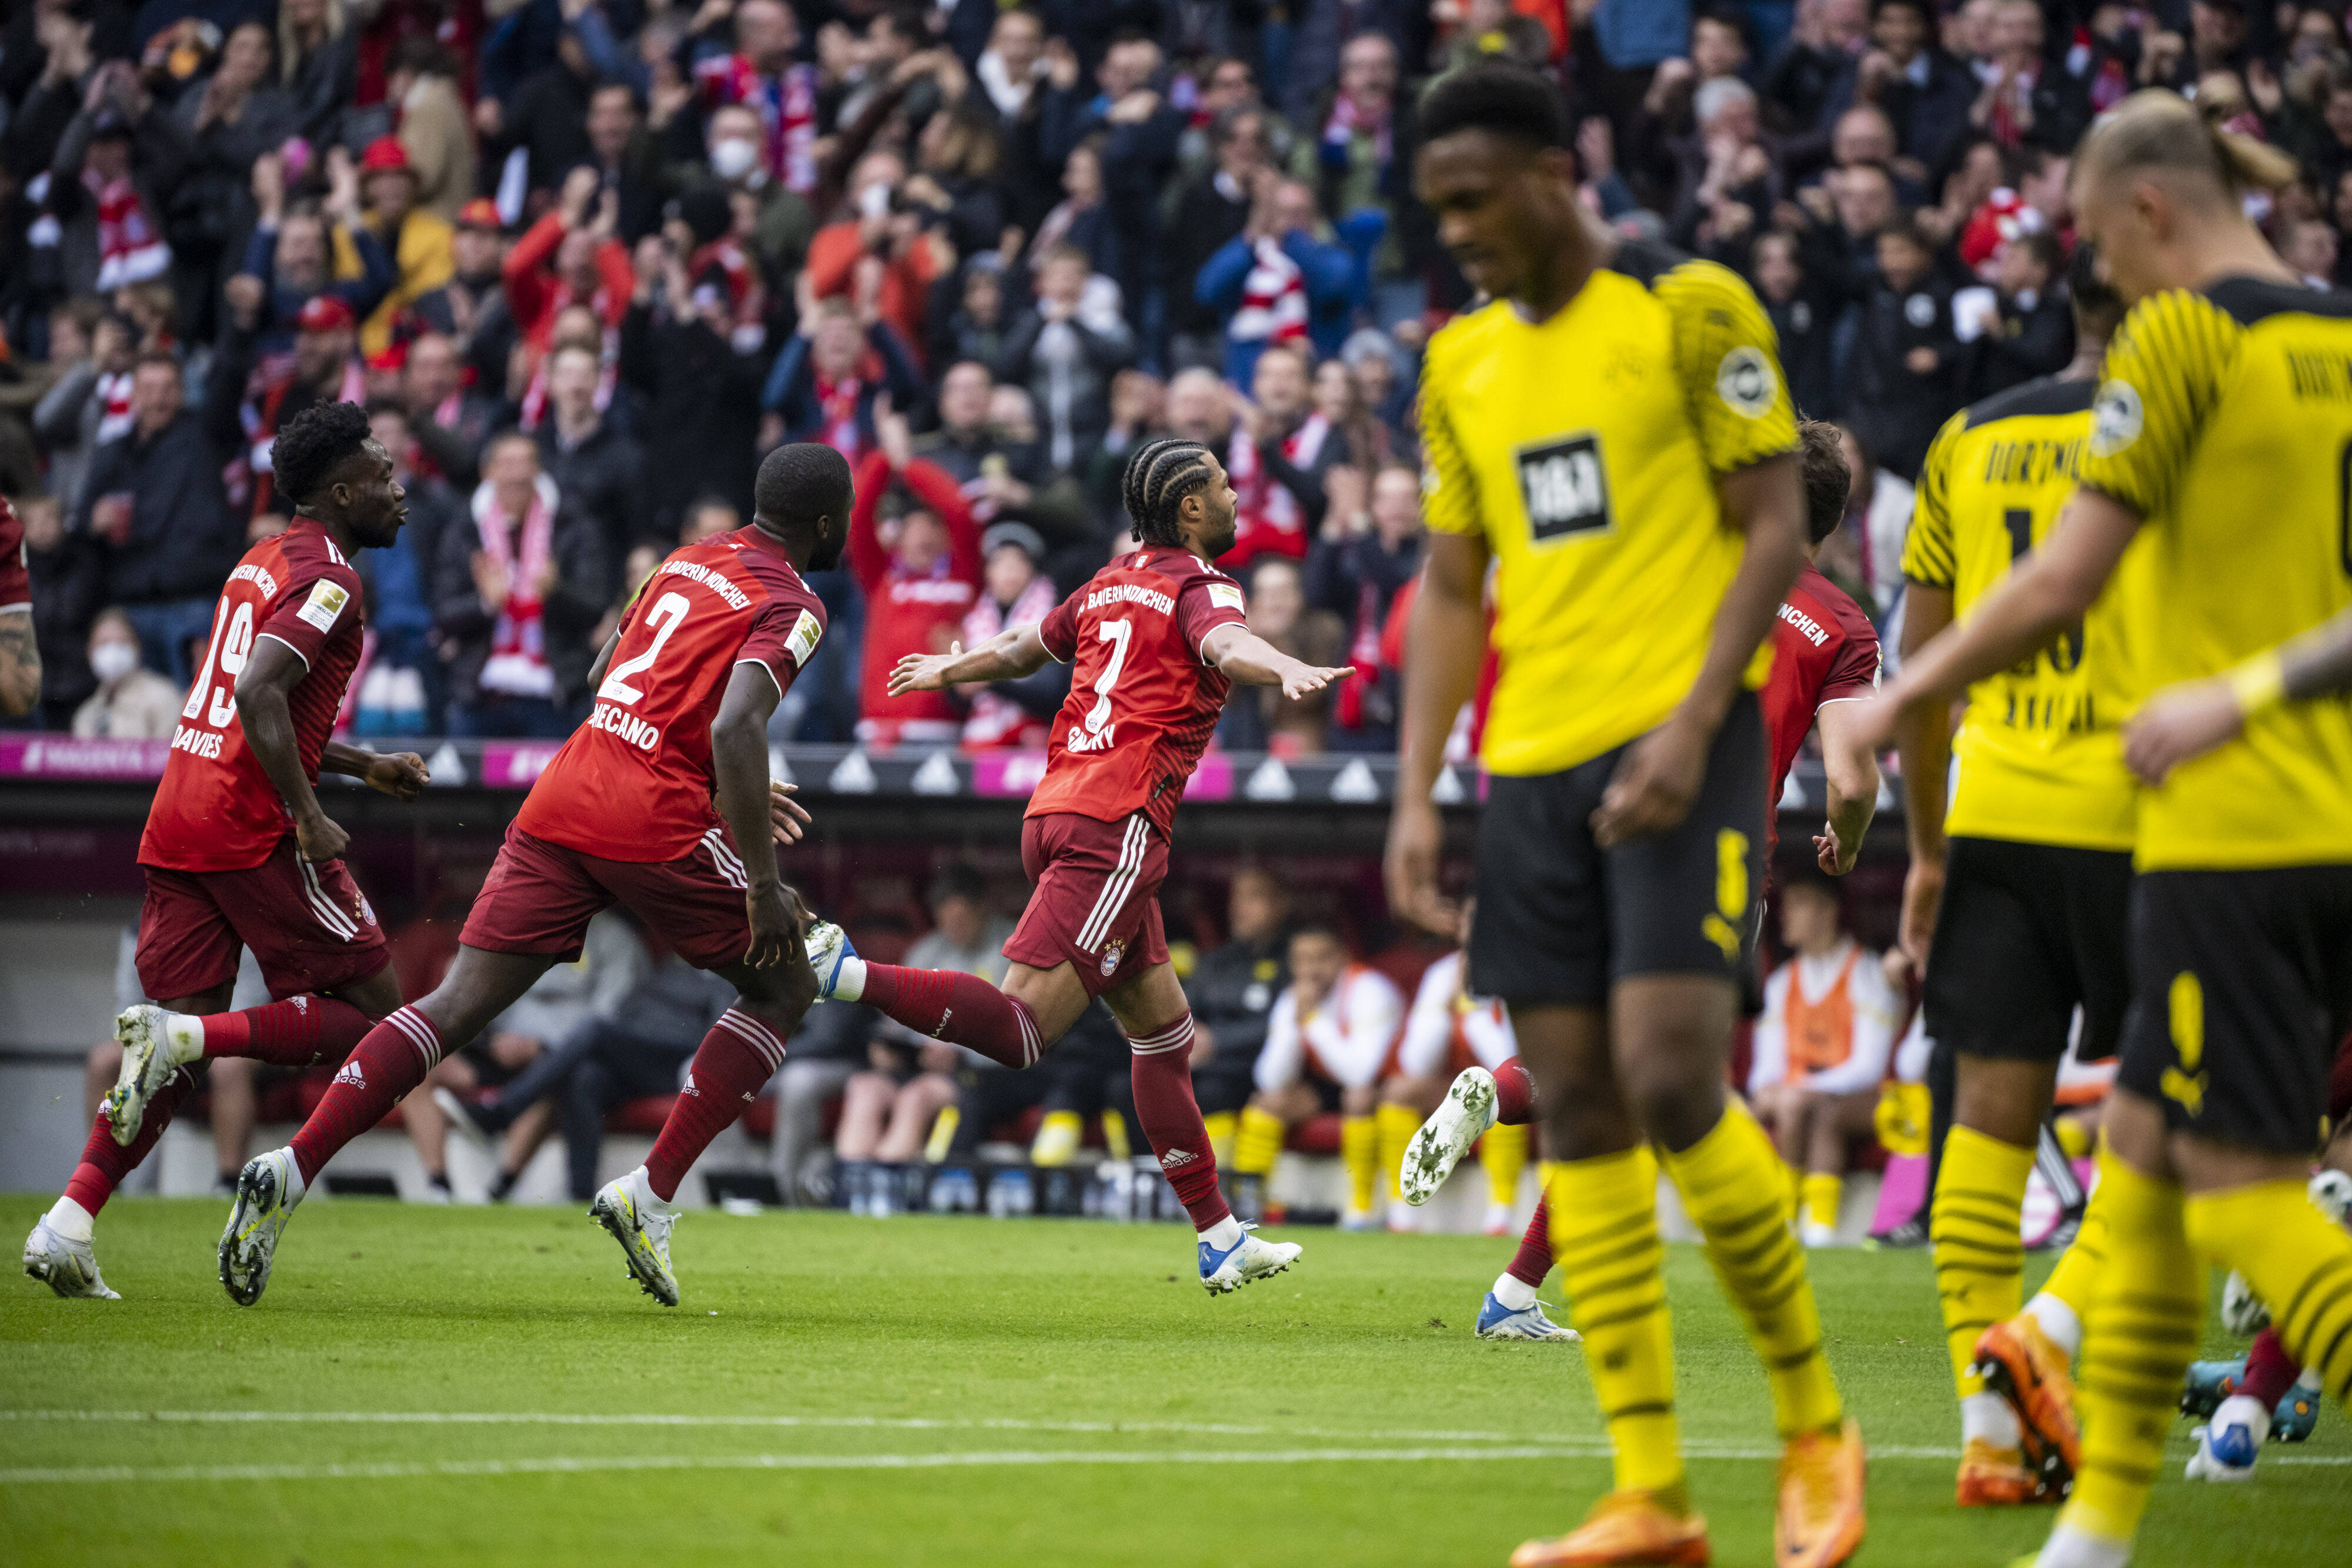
(920, 576)
(566, 258)
(876, 257)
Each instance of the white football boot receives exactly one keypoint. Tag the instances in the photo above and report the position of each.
(1467, 1111)
(150, 1059)
(828, 946)
(1496, 1321)
(641, 1223)
(67, 1267)
(1227, 1270)
(266, 1191)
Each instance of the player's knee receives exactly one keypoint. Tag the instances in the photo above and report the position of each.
(1674, 1108)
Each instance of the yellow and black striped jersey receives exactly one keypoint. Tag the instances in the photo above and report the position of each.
(2039, 759)
(1585, 449)
(2224, 420)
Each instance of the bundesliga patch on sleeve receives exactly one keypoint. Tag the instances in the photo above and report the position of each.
(1229, 596)
(804, 639)
(324, 605)
(1745, 382)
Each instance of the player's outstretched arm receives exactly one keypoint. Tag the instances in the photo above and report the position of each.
(399, 774)
(1241, 654)
(2057, 584)
(272, 669)
(20, 665)
(1007, 656)
(2183, 722)
(1447, 638)
(739, 762)
(1660, 774)
(1852, 782)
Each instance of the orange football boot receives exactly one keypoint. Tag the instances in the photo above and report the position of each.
(1818, 1521)
(1994, 1478)
(2020, 1364)
(1624, 1530)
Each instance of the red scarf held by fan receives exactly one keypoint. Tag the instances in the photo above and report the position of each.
(129, 248)
(518, 663)
(1269, 522)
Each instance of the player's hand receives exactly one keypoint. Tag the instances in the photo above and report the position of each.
(400, 774)
(776, 918)
(1305, 680)
(786, 816)
(1923, 895)
(2178, 723)
(1417, 841)
(924, 672)
(320, 839)
(1654, 785)
(1831, 856)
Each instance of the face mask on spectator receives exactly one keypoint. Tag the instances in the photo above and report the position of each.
(110, 660)
(733, 159)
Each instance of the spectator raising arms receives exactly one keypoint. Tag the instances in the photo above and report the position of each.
(921, 572)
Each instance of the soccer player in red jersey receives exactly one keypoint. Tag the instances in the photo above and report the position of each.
(1825, 654)
(625, 814)
(238, 852)
(1155, 640)
(20, 656)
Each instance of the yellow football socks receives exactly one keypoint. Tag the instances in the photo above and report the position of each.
(1221, 1126)
(1397, 1126)
(1502, 1155)
(1733, 1191)
(2297, 1260)
(1604, 1234)
(2146, 1313)
(1821, 1194)
(1258, 1142)
(2076, 1277)
(1972, 1225)
(1360, 1150)
(1794, 1177)
(1116, 1143)
(1057, 1139)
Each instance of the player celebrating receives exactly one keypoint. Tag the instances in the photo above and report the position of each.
(624, 813)
(2216, 442)
(238, 852)
(2027, 903)
(1156, 640)
(1646, 520)
(1824, 661)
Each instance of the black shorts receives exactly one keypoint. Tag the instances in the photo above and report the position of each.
(2242, 986)
(1561, 920)
(2027, 934)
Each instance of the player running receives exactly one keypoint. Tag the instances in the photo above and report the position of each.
(1156, 638)
(238, 852)
(2020, 916)
(2217, 438)
(625, 814)
(1824, 659)
(1647, 518)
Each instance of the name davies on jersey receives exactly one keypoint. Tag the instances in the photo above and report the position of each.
(196, 742)
(623, 724)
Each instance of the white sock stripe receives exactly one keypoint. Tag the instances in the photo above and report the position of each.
(332, 918)
(1113, 896)
(770, 1051)
(421, 1034)
(1181, 1029)
(1031, 1048)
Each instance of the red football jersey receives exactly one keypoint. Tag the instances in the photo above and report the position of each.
(634, 782)
(1143, 702)
(1824, 650)
(216, 810)
(15, 580)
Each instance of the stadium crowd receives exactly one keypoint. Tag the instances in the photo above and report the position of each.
(585, 260)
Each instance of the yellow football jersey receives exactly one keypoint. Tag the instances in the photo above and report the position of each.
(1585, 449)
(2039, 759)
(2225, 421)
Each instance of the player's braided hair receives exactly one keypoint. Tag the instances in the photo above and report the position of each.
(1159, 477)
(313, 444)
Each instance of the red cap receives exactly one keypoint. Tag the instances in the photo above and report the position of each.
(481, 212)
(325, 313)
(383, 154)
(393, 358)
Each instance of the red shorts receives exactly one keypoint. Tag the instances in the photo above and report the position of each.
(310, 928)
(1096, 903)
(540, 897)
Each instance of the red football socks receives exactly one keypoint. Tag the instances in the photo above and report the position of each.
(1160, 1068)
(392, 1059)
(300, 1031)
(1532, 1261)
(740, 1053)
(2270, 1370)
(959, 1009)
(1515, 1094)
(105, 1162)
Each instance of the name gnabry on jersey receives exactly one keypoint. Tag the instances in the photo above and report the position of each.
(625, 725)
(718, 583)
(1132, 594)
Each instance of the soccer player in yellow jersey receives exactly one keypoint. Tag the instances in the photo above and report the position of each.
(2218, 441)
(1612, 433)
(2020, 915)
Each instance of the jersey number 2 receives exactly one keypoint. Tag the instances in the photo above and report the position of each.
(1116, 633)
(669, 610)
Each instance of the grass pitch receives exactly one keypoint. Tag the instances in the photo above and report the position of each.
(485, 1386)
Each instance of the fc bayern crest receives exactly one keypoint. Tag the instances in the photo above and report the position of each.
(1113, 951)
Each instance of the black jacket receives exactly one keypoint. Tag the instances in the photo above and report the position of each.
(585, 587)
(2023, 344)
(1204, 220)
(1232, 990)
(604, 475)
(703, 415)
(1895, 409)
(182, 541)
